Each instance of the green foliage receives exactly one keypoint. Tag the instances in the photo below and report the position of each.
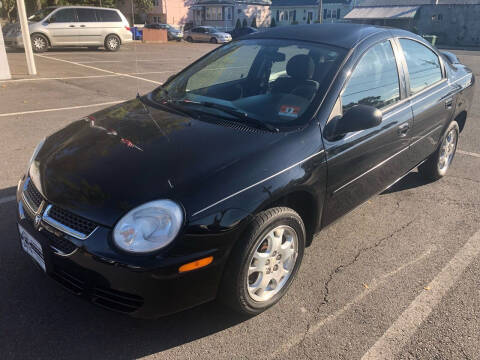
(244, 22)
(238, 25)
(273, 23)
(143, 6)
(254, 22)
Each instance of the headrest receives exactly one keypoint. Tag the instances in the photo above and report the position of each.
(301, 67)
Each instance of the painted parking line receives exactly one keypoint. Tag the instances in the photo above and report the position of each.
(98, 69)
(59, 78)
(373, 285)
(129, 60)
(468, 153)
(61, 109)
(7, 199)
(393, 340)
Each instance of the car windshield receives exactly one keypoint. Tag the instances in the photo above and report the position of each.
(212, 30)
(40, 15)
(276, 82)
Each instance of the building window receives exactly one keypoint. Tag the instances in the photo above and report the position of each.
(338, 13)
(278, 15)
(229, 13)
(156, 2)
(292, 15)
(214, 13)
(324, 13)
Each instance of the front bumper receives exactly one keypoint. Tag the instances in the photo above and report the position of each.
(124, 283)
(14, 41)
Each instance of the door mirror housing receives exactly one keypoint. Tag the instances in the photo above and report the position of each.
(359, 117)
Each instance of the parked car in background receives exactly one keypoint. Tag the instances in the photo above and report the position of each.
(236, 33)
(215, 183)
(207, 34)
(172, 33)
(74, 26)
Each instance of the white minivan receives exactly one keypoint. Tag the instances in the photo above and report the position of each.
(74, 26)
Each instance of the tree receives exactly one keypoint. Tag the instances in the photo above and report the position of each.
(273, 23)
(254, 22)
(244, 23)
(238, 25)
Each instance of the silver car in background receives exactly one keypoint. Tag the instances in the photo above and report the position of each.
(207, 34)
(73, 26)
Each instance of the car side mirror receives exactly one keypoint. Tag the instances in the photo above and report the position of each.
(359, 117)
(51, 19)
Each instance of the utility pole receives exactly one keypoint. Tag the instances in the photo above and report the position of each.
(27, 43)
(320, 11)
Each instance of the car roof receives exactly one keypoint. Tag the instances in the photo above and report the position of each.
(83, 7)
(336, 34)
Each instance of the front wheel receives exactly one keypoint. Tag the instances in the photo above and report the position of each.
(264, 262)
(439, 162)
(39, 43)
(213, 40)
(189, 39)
(112, 43)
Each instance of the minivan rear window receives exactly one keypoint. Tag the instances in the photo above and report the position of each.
(86, 15)
(108, 16)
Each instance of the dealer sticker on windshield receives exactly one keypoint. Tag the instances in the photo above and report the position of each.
(289, 111)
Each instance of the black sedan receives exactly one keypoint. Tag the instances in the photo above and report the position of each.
(214, 184)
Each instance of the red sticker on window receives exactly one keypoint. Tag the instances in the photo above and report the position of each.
(290, 111)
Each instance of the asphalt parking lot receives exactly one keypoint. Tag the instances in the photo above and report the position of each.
(398, 278)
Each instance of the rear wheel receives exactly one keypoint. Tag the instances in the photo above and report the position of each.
(264, 263)
(112, 43)
(439, 162)
(39, 43)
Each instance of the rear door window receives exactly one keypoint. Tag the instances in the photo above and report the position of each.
(108, 16)
(64, 16)
(374, 80)
(423, 65)
(86, 15)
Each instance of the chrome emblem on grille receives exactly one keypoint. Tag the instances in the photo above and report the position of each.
(36, 222)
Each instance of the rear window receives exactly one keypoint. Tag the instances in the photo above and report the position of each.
(108, 16)
(86, 15)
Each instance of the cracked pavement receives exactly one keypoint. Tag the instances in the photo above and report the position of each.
(357, 278)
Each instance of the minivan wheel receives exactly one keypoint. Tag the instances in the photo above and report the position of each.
(264, 261)
(439, 162)
(112, 43)
(39, 43)
(189, 39)
(213, 40)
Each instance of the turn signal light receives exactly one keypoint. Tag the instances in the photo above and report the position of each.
(197, 264)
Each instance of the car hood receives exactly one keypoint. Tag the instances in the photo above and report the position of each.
(104, 165)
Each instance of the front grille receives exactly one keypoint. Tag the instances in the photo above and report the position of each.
(32, 195)
(116, 300)
(108, 298)
(61, 244)
(71, 220)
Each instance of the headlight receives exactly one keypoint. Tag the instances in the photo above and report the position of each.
(35, 153)
(148, 227)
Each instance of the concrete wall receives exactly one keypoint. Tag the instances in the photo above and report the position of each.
(454, 24)
(4, 68)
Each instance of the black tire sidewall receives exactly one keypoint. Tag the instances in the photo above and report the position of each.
(238, 297)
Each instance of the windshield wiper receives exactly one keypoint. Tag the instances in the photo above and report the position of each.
(243, 116)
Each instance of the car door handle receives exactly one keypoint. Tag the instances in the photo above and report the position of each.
(82, 25)
(449, 103)
(71, 25)
(403, 129)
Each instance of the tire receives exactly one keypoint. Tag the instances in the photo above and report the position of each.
(213, 40)
(251, 292)
(112, 43)
(437, 165)
(39, 43)
(189, 39)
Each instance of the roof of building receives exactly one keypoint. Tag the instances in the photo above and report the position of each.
(383, 12)
(414, 2)
(306, 2)
(337, 34)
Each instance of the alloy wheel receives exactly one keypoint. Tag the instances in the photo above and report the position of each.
(271, 263)
(447, 150)
(39, 43)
